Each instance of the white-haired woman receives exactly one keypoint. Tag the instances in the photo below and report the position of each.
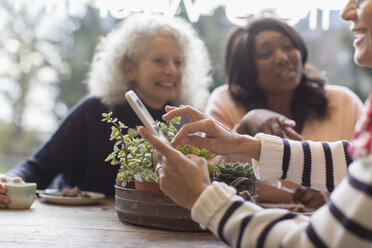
(163, 60)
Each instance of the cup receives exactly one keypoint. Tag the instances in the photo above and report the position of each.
(21, 195)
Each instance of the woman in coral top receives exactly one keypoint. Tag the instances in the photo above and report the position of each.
(270, 84)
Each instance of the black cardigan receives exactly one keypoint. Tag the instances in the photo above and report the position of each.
(77, 150)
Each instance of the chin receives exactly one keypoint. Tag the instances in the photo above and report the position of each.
(361, 60)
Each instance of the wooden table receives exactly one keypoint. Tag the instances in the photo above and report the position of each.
(50, 225)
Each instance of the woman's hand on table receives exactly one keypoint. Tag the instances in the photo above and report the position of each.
(182, 178)
(310, 198)
(216, 135)
(268, 122)
(4, 200)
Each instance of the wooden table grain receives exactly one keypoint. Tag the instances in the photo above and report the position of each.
(51, 225)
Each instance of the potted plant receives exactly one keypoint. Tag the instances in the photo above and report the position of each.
(150, 206)
(237, 174)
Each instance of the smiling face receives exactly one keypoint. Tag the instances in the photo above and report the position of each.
(278, 62)
(359, 12)
(157, 75)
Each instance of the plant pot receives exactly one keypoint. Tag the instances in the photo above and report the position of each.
(152, 209)
(120, 184)
(153, 187)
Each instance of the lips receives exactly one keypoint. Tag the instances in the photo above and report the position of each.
(166, 84)
(288, 72)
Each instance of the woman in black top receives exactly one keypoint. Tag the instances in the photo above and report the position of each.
(148, 54)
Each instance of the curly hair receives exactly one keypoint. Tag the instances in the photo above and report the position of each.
(309, 99)
(107, 80)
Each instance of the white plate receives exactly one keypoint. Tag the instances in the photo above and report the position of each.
(94, 198)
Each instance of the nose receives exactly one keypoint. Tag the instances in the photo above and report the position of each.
(281, 57)
(171, 68)
(349, 11)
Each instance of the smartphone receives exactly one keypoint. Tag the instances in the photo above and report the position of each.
(144, 115)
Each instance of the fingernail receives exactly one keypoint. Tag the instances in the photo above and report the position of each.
(290, 122)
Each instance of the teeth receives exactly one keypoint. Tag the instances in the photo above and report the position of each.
(359, 34)
(285, 72)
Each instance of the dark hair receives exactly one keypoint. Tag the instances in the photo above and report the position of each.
(241, 72)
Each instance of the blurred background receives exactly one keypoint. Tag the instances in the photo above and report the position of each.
(46, 47)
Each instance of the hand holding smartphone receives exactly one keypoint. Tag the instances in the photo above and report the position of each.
(143, 114)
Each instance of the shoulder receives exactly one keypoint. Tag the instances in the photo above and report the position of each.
(88, 102)
(89, 107)
(219, 98)
(220, 93)
(338, 93)
(221, 90)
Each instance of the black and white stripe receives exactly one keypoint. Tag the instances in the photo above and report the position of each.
(348, 158)
(226, 217)
(270, 226)
(329, 167)
(324, 152)
(350, 225)
(314, 238)
(286, 158)
(306, 173)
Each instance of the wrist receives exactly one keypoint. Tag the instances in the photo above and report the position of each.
(249, 146)
(196, 195)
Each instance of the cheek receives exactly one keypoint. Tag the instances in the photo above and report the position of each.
(264, 73)
(179, 76)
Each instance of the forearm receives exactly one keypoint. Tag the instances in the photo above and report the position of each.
(242, 224)
(344, 222)
(319, 165)
(31, 171)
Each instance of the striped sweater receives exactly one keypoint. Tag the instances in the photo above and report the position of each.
(346, 221)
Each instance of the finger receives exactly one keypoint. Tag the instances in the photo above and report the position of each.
(315, 203)
(265, 129)
(159, 157)
(169, 108)
(2, 206)
(299, 192)
(4, 199)
(2, 189)
(189, 128)
(194, 157)
(308, 197)
(292, 134)
(187, 111)
(4, 179)
(17, 180)
(155, 142)
(285, 122)
(276, 129)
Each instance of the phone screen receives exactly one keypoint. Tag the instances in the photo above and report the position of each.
(143, 114)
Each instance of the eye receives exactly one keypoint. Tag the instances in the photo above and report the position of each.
(358, 2)
(158, 61)
(264, 54)
(178, 63)
(287, 47)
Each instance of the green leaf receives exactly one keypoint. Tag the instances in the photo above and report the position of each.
(194, 150)
(176, 120)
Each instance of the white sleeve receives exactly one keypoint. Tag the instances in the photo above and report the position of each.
(319, 165)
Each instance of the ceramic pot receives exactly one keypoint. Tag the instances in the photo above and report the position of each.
(153, 187)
